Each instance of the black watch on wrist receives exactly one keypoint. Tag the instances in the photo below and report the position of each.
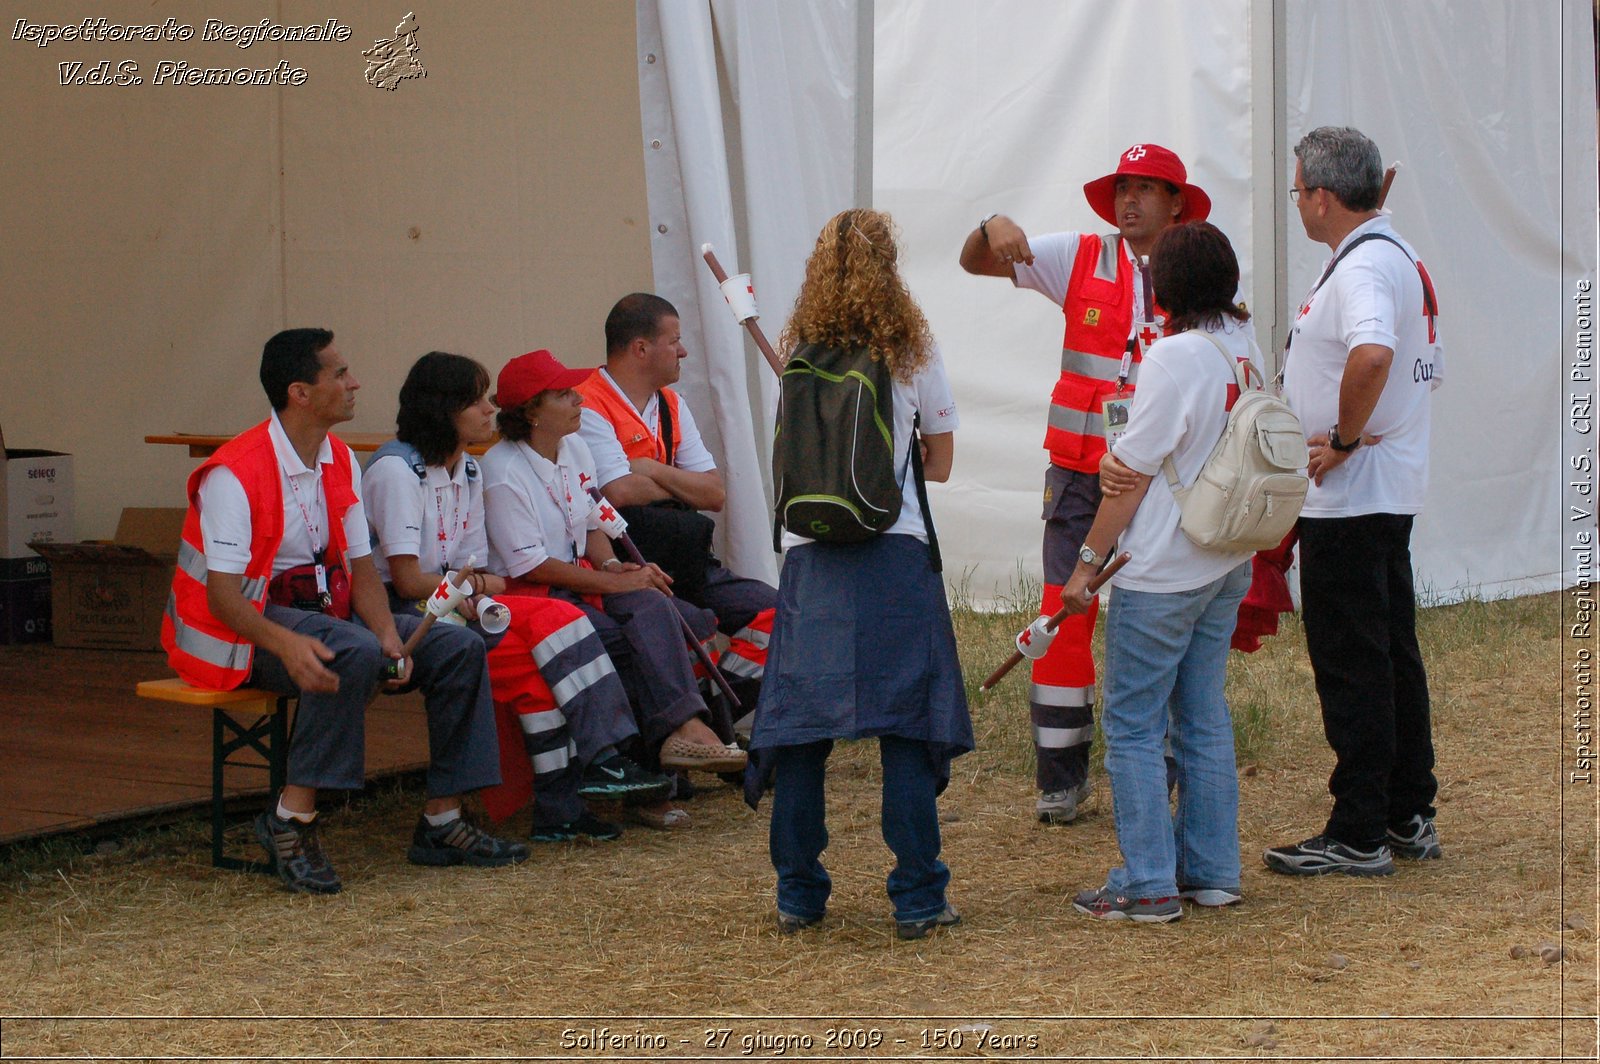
(1339, 445)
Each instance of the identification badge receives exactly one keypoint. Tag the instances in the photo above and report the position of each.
(1114, 413)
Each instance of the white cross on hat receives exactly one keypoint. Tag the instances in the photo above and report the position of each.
(1135, 153)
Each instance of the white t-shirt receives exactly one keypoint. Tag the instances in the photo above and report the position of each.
(1374, 296)
(927, 393)
(688, 449)
(1052, 269)
(1179, 410)
(225, 512)
(439, 519)
(535, 509)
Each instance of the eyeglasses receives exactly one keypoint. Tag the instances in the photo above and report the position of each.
(1294, 193)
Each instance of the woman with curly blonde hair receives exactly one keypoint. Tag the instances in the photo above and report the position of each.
(853, 296)
(862, 646)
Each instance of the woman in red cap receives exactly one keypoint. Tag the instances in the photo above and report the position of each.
(546, 534)
(561, 706)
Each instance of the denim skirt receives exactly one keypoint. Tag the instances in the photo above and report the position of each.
(862, 646)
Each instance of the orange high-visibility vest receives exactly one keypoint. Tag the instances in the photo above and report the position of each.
(1099, 320)
(204, 651)
(638, 440)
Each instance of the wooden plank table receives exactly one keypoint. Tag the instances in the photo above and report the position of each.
(204, 445)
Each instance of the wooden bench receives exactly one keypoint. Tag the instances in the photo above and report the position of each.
(267, 735)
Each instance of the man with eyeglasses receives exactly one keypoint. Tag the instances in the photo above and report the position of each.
(1102, 285)
(1359, 372)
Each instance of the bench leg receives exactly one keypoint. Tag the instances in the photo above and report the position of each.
(268, 736)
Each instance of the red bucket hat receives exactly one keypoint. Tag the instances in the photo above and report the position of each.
(1148, 160)
(527, 375)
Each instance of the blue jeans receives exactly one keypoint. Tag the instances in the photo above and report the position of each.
(1166, 656)
(910, 827)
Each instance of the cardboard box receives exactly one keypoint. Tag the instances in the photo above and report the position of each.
(24, 600)
(35, 504)
(35, 501)
(112, 595)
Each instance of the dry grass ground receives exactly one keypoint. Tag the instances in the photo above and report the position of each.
(664, 941)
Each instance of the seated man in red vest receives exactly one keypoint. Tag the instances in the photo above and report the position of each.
(275, 587)
(1102, 285)
(653, 466)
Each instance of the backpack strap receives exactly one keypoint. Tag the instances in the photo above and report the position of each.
(408, 453)
(1430, 302)
(922, 493)
(664, 416)
(1240, 371)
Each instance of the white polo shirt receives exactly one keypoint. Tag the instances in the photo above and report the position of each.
(225, 511)
(537, 509)
(439, 518)
(1374, 296)
(688, 449)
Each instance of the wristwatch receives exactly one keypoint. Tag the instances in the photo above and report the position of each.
(1087, 556)
(1339, 445)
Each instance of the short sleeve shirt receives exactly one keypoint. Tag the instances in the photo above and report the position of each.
(1374, 296)
(537, 509)
(437, 518)
(226, 512)
(689, 451)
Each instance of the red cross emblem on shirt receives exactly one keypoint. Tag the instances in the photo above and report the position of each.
(583, 481)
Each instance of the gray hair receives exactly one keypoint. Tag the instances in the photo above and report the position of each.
(1343, 161)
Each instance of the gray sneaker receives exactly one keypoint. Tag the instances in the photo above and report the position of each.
(1210, 897)
(1320, 855)
(915, 929)
(296, 854)
(1061, 807)
(1417, 839)
(1107, 904)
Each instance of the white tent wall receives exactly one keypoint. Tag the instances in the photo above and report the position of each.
(749, 140)
(1483, 101)
(156, 235)
(1011, 108)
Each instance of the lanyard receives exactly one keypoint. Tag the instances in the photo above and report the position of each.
(1125, 369)
(317, 552)
(447, 539)
(567, 516)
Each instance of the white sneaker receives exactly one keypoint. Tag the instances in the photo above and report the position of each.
(1061, 807)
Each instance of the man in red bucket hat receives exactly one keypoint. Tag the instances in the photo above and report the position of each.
(1102, 285)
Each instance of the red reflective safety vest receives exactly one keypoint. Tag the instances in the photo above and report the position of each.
(638, 440)
(1099, 319)
(204, 651)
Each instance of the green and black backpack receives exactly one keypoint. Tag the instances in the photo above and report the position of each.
(833, 468)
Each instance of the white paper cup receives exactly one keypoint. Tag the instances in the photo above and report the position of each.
(741, 297)
(494, 617)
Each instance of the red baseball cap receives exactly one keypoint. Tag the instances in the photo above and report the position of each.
(1148, 160)
(527, 375)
